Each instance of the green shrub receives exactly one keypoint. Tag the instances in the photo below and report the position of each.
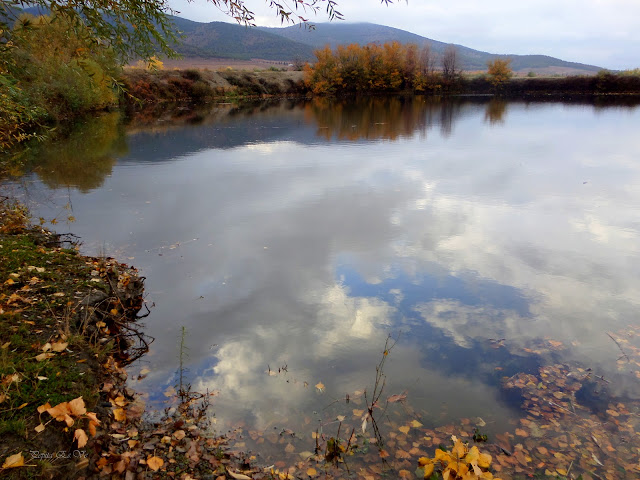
(51, 71)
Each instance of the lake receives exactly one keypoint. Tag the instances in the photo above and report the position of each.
(495, 241)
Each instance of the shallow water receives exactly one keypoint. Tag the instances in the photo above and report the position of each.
(489, 237)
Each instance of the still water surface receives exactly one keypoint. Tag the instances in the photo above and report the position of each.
(298, 236)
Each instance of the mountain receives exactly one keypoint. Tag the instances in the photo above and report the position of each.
(334, 34)
(228, 40)
(232, 41)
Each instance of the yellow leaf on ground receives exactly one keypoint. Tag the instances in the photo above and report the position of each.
(81, 437)
(311, 472)
(13, 461)
(154, 463)
(43, 356)
(39, 428)
(59, 346)
(238, 476)
(44, 408)
(76, 407)
(416, 424)
(405, 429)
(119, 414)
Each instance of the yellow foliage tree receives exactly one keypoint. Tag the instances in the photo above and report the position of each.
(499, 71)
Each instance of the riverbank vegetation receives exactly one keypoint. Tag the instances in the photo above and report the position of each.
(396, 68)
(52, 71)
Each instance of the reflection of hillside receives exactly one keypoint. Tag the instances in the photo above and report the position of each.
(386, 118)
(84, 157)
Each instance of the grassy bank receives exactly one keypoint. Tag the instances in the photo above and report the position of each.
(191, 85)
(63, 318)
(68, 327)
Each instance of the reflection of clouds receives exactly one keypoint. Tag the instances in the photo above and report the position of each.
(464, 322)
(239, 372)
(505, 207)
(348, 316)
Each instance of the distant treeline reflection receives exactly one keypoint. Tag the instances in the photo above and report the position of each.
(84, 155)
(390, 118)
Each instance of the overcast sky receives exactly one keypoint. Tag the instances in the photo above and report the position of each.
(599, 32)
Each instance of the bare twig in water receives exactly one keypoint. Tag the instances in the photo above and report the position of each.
(624, 354)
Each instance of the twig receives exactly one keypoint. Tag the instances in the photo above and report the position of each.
(624, 354)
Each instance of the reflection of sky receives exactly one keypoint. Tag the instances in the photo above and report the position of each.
(307, 255)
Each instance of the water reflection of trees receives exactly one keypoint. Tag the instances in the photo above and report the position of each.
(495, 111)
(82, 157)
(386, 118)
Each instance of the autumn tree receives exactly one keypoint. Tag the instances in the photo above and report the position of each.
(499, 71)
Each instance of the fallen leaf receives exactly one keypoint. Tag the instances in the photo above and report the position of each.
(76, 407)
(154, 463)
(179, 434)
(59, 346)
(320, 386)
(290, 448)
(39, 428)
(311, 472)
(44, 356)
(238, 476)
(81, 437)
(416, 424)
(13, 461)
(119, 414)
(405, 429)
(399, 397)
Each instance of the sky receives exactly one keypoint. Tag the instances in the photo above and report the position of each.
(605, 33)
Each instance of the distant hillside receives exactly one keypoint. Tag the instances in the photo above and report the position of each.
(232, 41)
(228, 40)
(335, 34)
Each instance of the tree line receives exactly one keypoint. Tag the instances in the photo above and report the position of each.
(394, 67)
(390, 67)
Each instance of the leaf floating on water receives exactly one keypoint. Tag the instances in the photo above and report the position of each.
(320, 386)
(399, 397)
(405, 429)
(416, 424)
